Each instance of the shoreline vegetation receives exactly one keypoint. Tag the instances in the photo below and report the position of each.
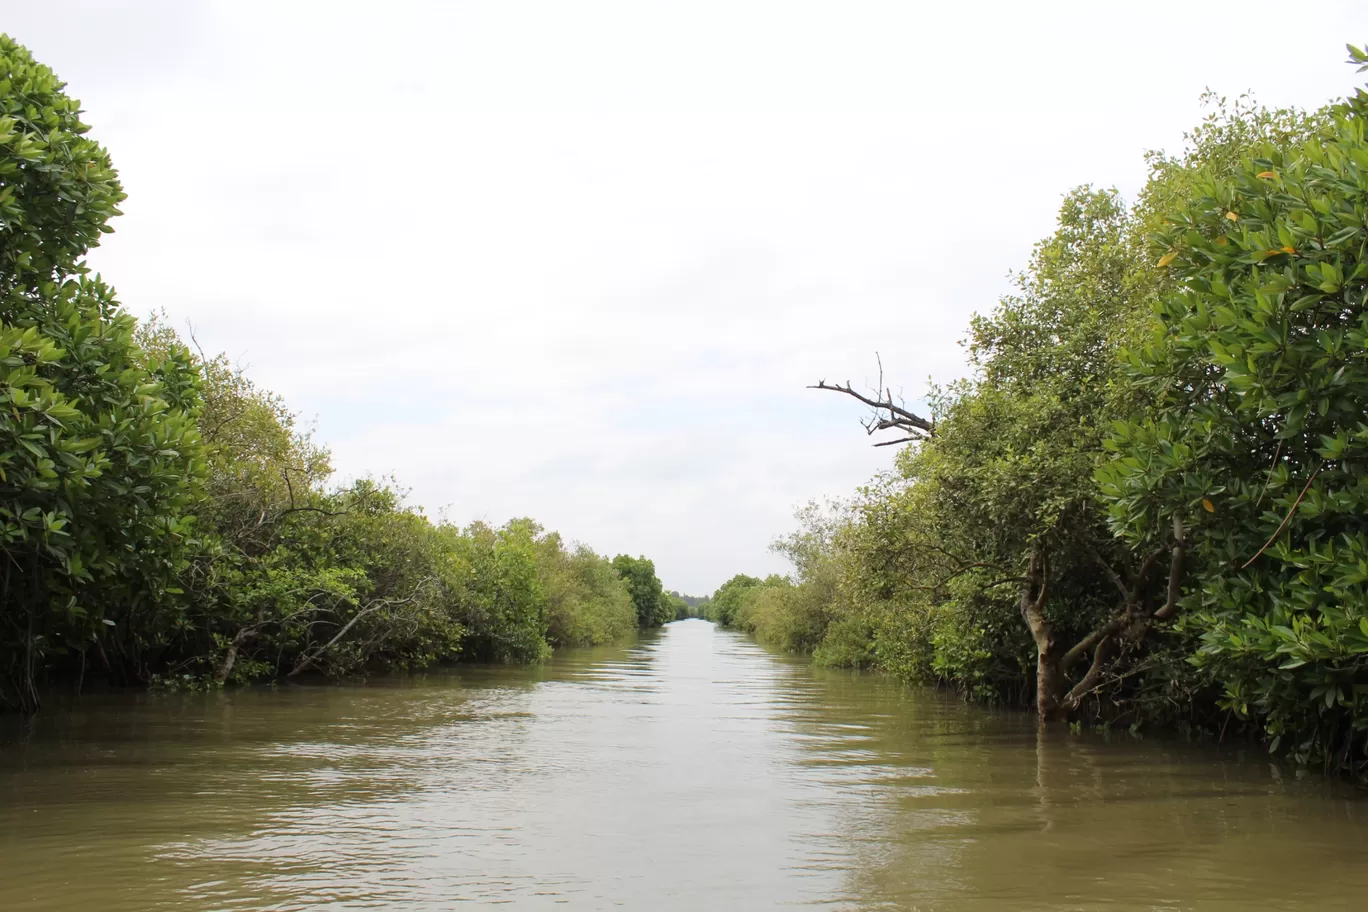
(1148, 505)
(1145, 508)
(166, 522)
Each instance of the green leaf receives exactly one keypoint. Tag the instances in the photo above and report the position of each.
(1344, 234)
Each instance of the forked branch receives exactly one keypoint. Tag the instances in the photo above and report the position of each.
(1102, 653)
(887, 414)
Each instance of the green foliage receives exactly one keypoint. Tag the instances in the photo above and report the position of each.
(848, 642)
(57, 187)
(99, 460)
(653, 607)
(1255, 433)
(99, 453)
(938, 550)
(164, 520)
(502, 601)
(926, 573)
(588, 604)
(679, 606)
(726, 601)
(795, 614)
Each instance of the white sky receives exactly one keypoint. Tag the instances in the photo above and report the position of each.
(578, 260)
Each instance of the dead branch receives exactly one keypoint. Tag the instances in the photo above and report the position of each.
(887, 414)
(309, 658)
(289, 487)
(251, 630)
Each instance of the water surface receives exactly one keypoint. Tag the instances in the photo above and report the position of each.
(692, 770)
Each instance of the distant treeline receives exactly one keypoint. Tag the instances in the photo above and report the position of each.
(163, 520)
(1149, 503)
(689, 605)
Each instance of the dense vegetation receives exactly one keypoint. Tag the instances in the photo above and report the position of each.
(1147, 504)
(164, 520)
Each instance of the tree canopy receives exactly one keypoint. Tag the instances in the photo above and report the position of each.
(165, 521)
(1144, 505)
(653, 606)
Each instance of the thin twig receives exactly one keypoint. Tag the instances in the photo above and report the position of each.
(1269, 478)
(1288, 518)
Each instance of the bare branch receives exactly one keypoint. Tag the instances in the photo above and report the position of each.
(190, 329)
(1138, 584)
(1288, 518)
(1002, 582)
(1093, 678)
(1264, 490)
(887, 414)
(1112, 575)
(1092, 640)
(319, 510)
(309, 658)
(1175, 580)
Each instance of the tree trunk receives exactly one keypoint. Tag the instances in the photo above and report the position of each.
(229, 659)
(29, 701)
(1050, 683)
(1049, 673)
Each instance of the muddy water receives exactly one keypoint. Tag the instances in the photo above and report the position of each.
(689, 771)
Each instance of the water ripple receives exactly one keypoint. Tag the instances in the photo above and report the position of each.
(693, 770)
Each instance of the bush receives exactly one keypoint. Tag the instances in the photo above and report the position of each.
(99, 454)
(588, 604)
(1255, 437)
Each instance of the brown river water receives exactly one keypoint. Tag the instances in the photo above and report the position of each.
(691, 770)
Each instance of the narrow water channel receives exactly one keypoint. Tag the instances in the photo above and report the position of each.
(692, 770)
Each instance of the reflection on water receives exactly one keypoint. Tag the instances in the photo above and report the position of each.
(692, 770)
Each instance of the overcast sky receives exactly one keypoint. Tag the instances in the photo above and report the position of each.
(578, 260)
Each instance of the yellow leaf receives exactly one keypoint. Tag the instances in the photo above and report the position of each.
(1268, 174)
(1289, 250)
(1168, 258)
(1232, 216)
(1208, 505)
(1222, 241)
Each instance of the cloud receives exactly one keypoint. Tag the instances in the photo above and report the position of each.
(578, 261)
